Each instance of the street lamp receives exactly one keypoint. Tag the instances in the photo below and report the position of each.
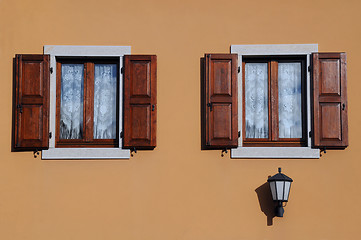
(280, 187)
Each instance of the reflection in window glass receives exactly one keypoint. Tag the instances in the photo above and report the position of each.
(105, 101)
(289, 100)
(256, 100)
(71, 102)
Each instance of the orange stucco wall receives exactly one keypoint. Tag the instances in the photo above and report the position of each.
(178, 191)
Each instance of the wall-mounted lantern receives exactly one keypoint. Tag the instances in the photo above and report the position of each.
(280, 187)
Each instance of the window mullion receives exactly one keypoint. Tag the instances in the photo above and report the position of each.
(274, 101)
(89, 101)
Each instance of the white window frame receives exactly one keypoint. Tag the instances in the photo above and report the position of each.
(83, 153)
(274, 152)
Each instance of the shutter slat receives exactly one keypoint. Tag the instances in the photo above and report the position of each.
(330, 123)
(31, 102)
(220, 103)
(140, 101)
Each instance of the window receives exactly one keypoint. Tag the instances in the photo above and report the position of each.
(84, 102)
(79, 69)
(274, 101)
(87, 102)
(274, 107)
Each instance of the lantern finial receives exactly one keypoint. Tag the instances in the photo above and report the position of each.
(279, 170)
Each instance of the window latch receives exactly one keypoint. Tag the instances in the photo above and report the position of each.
(153, 108)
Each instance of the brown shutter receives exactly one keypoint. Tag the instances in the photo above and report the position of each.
(329, 100)
(221, 72)
(31, 102)
(140, 101)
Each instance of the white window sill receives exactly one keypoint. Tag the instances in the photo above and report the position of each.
(86, 153)
(275, 152)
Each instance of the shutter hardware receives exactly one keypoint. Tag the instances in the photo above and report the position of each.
(210, 106)
(51, 70)
(310, 134)
(133, 150)
(20, 107)
(50, 135)
(122, 70)
(224, 151)
(239, 69)
(309, 68)
(36, 153)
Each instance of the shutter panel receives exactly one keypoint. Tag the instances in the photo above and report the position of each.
(221, 100)
(31, 102)
(140, 101)
(329, 100)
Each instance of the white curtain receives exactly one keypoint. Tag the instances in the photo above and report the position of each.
(256, 100)
(105, 101)
(71, 102)
(289, 100)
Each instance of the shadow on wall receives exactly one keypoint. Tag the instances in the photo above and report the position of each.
(265, 202)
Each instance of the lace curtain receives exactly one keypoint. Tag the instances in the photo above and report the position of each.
(256, 100)
(105, 101)
(289, 100)
(71, 102)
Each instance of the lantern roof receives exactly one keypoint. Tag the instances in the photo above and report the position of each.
(279, 177)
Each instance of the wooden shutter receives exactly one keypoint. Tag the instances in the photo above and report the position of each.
(140, 101)
(221, 100)
(329, 100)
(31, 102)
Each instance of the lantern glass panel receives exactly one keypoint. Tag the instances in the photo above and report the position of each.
(280, 188)
(273, 190)
(287, 190)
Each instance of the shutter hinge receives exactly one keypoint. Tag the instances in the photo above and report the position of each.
(239, 134)
(51, 70)
(20, 107)
(309, 68)
(50, 135)
(122, 70)
(121, 135)
(310, 134)
(239, 69)
(208, 143)
(210, 106)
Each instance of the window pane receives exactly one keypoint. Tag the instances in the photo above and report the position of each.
(256, 100)
(71, 102)
(289, 100)
(105, 101)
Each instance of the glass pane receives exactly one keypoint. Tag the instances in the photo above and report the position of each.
(256, 100)
(273, 190)
(280, 188)
(71, 101)
(105, 101)
(287, 190)
(289, 100)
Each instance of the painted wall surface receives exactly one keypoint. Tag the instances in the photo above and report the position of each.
(178, 191)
